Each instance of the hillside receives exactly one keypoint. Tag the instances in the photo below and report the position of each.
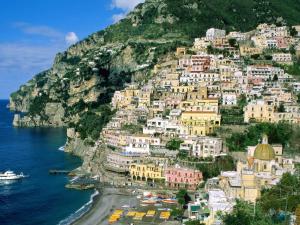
(75, 91)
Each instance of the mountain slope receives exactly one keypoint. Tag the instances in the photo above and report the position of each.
(83, 78)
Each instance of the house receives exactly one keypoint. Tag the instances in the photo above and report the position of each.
(259, 111)
(218, 202)
(229, 98)
(201, 44)
(246, 50)
(283, 58)
(147, 172)
(204, 147)
(140, 144)
(120, 162)
(182, 178)
(199, 122)
(214, 33)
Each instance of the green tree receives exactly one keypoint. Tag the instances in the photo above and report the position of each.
(183, 197)
(174, 144)
(275, 78)
(232, 42)
(193, 222)
(283, 196)
(244, 214)
(293, 31)
(242, 101)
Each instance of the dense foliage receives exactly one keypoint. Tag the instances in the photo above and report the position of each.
(272, 208)
(209, 170)
(245, 214)
(284, 196)
(279, 133)
(183, 197)
(174, 144)
(91, 123)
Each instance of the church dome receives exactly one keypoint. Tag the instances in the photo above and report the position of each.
(264, 152)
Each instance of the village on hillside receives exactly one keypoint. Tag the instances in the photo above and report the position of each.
(166, 135)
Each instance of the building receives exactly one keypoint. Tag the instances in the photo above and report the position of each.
(264, 167)
(229, 98)
(283, 58)
(203, 147)
(147, 172)
(140, 144)
(259, 111)
(199, 122)
(120, 162)
(182, 178)
(214, 33)
(218, 202)
(246, 50)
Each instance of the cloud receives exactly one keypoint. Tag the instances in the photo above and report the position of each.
(40, 30)
(125, 6)
(71, 38)
(28, 58)
(117, 17)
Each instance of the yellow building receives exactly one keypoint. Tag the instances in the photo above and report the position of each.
(182, 89)
(180, 51)
(146, 172)
(199, 122)
(248, 50)
(259, 111)
(196, 94)
(206, 105)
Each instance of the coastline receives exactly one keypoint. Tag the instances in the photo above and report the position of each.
(104, 204)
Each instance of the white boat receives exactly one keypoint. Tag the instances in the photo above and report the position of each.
(10, 175)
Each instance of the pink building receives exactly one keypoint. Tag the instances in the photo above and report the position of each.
(282, 42)
(177, 178)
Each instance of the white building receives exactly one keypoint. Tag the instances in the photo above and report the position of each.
(214, 33)
(229, 98)
(264, 72)
(140, 144)
(203, 147)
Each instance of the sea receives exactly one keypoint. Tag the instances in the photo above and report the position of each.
(40, 198)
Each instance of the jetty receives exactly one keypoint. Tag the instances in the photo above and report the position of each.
(58, 172)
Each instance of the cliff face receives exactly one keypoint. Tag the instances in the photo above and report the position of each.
(83, 79)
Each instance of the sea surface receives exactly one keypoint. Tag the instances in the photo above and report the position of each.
(40, 199)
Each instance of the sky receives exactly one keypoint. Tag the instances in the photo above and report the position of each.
(33, 31)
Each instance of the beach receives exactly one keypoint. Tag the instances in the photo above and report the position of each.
(104, 204)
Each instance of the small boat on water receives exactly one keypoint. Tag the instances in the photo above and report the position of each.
(149, 201)
(169, 201)
(10, 175)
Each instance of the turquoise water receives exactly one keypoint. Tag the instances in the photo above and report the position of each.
(40, 199)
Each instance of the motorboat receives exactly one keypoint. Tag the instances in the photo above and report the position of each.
(10, 175)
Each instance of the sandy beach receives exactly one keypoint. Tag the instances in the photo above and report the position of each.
(104, 204)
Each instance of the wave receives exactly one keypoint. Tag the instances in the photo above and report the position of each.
(62, 148)
(80, 212)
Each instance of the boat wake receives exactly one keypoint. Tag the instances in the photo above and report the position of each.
(62, 148)
(80, 212)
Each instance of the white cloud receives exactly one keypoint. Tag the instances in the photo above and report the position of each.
(38, 30)
(26, 57)
(118, 17)
(71, 38)
(125, 5)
